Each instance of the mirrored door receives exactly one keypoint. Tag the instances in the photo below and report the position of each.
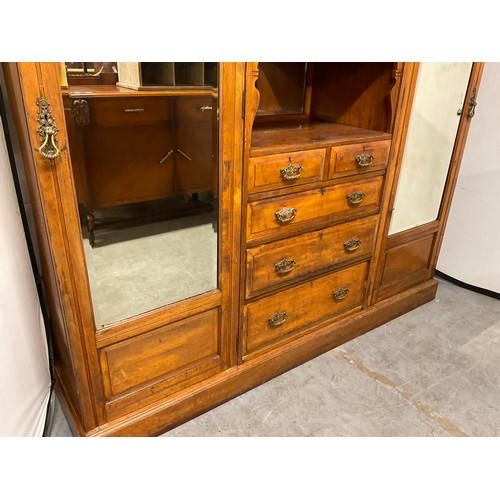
(435, 116)
(143, 141)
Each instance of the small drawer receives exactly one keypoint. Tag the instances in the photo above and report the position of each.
(169, 355)
(292, 259)
(282, 315)
(266, 173)
(128, 111)
(358, 158)
(275, 216)
(195, 108)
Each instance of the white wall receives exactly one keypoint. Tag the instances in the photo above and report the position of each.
(471, 246)
(24, 365)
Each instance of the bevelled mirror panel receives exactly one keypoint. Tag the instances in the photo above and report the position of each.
(438, 103)
(143, 141)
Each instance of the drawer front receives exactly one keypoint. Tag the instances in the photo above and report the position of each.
(128, 111)
(195, 108)
(282, 262)
(280, 171)
(166, 356)
(279, 316)
(358, 158)
(275, 216)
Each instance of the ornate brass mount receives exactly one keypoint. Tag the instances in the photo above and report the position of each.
(472, 105)
(277, 319)
(285, 214)
(285, 266)
(81, 112)
(340, 294)
(364, 160)
(352, 245)
(291, 171)
(47, 130)
(355, 198)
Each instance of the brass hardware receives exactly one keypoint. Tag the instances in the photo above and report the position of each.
(184, 154)
(205, 108)
(364, 160)
(472, 104)
(165, 158)
(291, 171)
(285, 214)
(352, 245)
(285, 266)
(277, 319)
(355, 198)
(81, 112)
(47, 130)
(340, 294)
(133, 110)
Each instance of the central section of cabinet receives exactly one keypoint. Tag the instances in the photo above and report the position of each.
(315, 167)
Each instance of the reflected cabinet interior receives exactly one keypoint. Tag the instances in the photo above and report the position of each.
(204, 227)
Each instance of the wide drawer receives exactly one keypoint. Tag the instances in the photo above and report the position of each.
(281, 315)
(266, 173)
(282, 262)
(275, 216)
(168, 355)
(358, 158)
(128, 111)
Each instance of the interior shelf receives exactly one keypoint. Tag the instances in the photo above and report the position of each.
(270, 138)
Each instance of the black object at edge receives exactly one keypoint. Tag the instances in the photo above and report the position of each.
(472, 288)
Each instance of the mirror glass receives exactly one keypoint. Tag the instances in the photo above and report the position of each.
(439, 95)
(143, 139)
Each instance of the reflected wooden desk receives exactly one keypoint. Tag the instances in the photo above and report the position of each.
(130, 146)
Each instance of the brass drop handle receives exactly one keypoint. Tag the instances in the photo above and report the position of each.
(47, 130)
(355, 198)
(285, 214)
(364, 160)
(285, 266)
(277, 319)
(340, 294)
(352, 245)
(291, 172)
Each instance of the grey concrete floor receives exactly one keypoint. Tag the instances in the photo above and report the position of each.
(432, 372)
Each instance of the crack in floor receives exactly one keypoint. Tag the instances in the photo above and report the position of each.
(426, 410)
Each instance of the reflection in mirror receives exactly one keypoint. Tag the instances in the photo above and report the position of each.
(432, 130)
(143, 140)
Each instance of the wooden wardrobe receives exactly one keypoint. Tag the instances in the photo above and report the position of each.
(302, 205)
